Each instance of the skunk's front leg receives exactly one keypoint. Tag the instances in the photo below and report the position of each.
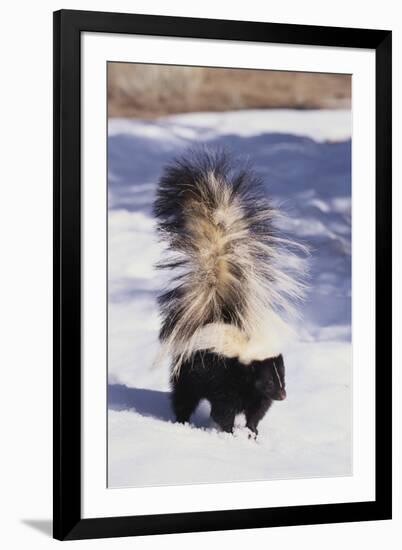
(255, 412)
(224, 416)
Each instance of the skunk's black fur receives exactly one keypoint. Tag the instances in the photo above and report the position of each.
(230, 386)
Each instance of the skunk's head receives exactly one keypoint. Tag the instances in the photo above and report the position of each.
(270, 377)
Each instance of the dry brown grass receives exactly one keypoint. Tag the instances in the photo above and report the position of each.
(148, 91)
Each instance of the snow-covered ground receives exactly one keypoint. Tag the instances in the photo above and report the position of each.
(305, 160)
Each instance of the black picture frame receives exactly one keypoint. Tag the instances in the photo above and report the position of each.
(68, 27)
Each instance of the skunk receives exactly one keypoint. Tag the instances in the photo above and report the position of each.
(235, 281)
(230, 386)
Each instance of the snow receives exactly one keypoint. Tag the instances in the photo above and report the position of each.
(319, 125)
(305, 160)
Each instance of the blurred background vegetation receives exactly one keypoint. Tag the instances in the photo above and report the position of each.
(149, 91)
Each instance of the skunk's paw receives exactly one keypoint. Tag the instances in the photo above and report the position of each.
(251, 435)
(244, 433)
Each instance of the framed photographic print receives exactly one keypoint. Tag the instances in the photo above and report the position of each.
(222, 274)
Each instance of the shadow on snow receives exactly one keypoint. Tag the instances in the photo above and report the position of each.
(151, 403)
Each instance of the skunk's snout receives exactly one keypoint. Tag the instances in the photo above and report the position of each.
(281, 395)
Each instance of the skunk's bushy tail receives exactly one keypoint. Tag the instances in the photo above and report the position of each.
(232, 268)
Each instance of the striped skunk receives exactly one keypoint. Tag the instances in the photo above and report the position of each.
(235, 280)
(230, 386)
